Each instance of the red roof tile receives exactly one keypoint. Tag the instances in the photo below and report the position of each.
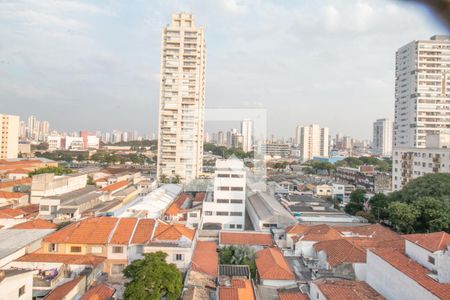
(175, 208)
(62, 290)
(172, 232)
(99, 292)
(341, 251)
(205, 258)
(12, 183)
(123, 232)
(346, 290)
(19, 171)
(88, 231)
(88, 260)
(143, 231)
(413, 270)
(289, 295)
(272, 265)
(430, 241)
(241, 289)
(115, 186)
(199, 197)
(36, 224)
(7, 213)
(245, 238)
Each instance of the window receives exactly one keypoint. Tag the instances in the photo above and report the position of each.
(222, 213)
(224, 188)
(22, 290)
(193, 215)
(52, 247)
(117, 249)
(239, 226)
(237, 188)
(223, 175)
(222, 200)
(208, 213)
(179, 257)
(237, 176)
(236, 213)
(239, 201)
(431, 260)
(232, 226)
(75, 249)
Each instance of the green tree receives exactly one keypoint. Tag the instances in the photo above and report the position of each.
(152, 278)
(55, 170)
(90, 180)
(379, 206)
(352, 208)
(232, 255)
(358, 196)
(434, 214)
(403, 216)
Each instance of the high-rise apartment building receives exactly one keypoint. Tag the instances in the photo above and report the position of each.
(422, 91)
(382, 137)
(312, 140)
(182, 99)
(31, 126)
(247, 135)
(9, 136)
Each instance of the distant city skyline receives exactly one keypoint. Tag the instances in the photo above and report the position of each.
(305, 62)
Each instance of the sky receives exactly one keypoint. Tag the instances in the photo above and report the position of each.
(95, 64)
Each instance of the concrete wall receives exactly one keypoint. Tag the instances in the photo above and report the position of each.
(9, 287)
(419, 254)
(391, 283)
(277, 283)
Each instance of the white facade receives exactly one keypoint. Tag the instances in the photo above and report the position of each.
(312, 140)
(410, 163)
(16, 285)
(422, 91)
(247, 135)
(382, 137)
(182, 99)
(46, 185)
(74, 143)
(93, 142)
(227, 208)
(54, 142)
(9, 136)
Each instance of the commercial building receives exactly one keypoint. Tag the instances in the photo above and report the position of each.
(9, 136)
(247, 135)
(182, 99)
(422, 91)
(226, 210)
(410, 163)
(312, 140)
(46, 185)
(382, 137)
(274, 150)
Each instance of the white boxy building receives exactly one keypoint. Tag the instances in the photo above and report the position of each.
(226, 208)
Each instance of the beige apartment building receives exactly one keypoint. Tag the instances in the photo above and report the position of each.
(312, 141)
(9, 136)
(182, 99)
(422, 91)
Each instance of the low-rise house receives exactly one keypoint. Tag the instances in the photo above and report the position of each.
(13, 198)
(72, 289)
(17, 174)
(20, 185)
(205, 258)
(331, 289)
(36, 224)
(48, 184)
(323, 190)
(10, 217)
(99, 292)
(176, 211)
(109, 190)
(237, 289)
(16, 284)
(420, 272)
(292, 295)
(273, 269)
(301, 238)
(253, 239)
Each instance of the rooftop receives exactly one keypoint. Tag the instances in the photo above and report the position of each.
(115, 186)
(12, 240)
(432, 242)
(341, 251)
(99, 292)
(36, 224)
(240, 289)
(11, 195)
(245, 238)
(272, 265)
(205, 258)
(291, 295)
(61, 291)
(346, 290)
(69, 259)
(268, 209)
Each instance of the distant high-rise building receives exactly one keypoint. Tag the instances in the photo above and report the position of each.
(220, 138)
(31, 126)
(44, 128)
(182, 99)
(422, 91)
(382, 137)
(247, 135)
(9, 136)
(312, 141)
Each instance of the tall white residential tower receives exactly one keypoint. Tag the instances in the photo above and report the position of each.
(312, 140)
(247, 135)
(422, 91)
(382, 137)
(9, 136)
(182, 99)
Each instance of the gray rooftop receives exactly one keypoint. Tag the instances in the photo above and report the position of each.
(12, 240)
(269, 209)
(78, 197)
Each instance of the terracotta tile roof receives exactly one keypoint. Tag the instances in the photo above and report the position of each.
(11, 195)
(115, 186)
(175, 207)
(199, 197)
(7, 213)
(272, 265)
(12, 183)
(143, 231)
(99, 292)
(205, 258)
(89, 260)
(245, 238)
(341, 251)
(19, 171)
(290, 295)
(241, 289)
(124, 230)
(103, 179)
(430, 241)
(296, 229)
(36, 224)
(172, 232)
(346, 290)
(414, 271)
(62, 290)
(321, 232)
(374, 231)
(88, 231)
(30, 209)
